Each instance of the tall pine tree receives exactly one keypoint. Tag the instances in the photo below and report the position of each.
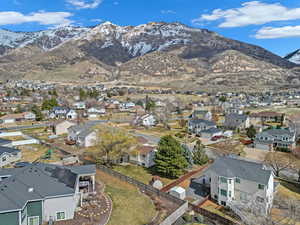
(169, 159)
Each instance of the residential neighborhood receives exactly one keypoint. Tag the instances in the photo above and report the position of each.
(149, 112)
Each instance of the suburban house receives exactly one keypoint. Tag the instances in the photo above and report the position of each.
(39, 193)
(201, 114)
(211, 132)
(235, 182)
(16, 117)
(144, 156)
(82, 135)
(5, 142)
(79, 105)
(237, 121)
(146, 120)
(9, 155)
(59, 112)
(62, 127)
(29, 116)
(94, 110)
(196, 126)
(275, 138)
(267, 117)
(71, 114)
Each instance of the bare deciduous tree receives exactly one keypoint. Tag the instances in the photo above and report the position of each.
(279, 161)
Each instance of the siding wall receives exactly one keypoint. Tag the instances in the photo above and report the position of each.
(9, 218)
(62, 204)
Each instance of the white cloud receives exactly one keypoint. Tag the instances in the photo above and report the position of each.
(41, 17)
(251, 13)
(278, 32)
(116, 3)
(167, 11)
(97, 20)
(85, 4)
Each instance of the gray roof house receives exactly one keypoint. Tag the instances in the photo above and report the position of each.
(39, 193)
(83, 135)
(195, 126)
(273, 138)
(5, 142)
(236, 121)
(236, 182)
(9, 155)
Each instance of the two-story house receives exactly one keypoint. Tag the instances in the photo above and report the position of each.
(39, 193)
(83, 135)
(196, 126)
(236, 121)
(235, 181)
(275, 138)
(144, 156)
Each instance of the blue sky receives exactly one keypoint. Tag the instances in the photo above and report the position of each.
(272, 24)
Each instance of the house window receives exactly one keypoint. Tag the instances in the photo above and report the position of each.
(229, 181)
(60, 216)
(34, 220)
(223, 203)
(223, 180)
(223, 192)
(4, 159)
(238, 180)
(261, 186)
(229, 194)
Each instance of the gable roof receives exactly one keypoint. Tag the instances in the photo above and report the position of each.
(4, 141)
(37, 182)
(202, 121)
(235, 167)
(8, 150)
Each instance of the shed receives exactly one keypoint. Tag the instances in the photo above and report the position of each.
(178, 192)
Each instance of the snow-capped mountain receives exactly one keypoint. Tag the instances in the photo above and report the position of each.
(294, 57)
(45, 40)
(153, 52)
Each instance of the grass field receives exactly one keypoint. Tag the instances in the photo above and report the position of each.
(30, 153)
(289, 190)
(129, 205)
(139, 173)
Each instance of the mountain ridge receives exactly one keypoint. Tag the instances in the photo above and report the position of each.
(149, 52)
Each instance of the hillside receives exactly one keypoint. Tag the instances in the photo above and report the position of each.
(163, 53)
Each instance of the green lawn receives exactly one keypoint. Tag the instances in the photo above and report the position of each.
(139, 173)
(129, 205)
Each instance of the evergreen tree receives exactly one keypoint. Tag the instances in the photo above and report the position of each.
(251, 132)
(38, 114)
(199, 154)
(48, 104)
(82, 94)
(188, 155)
(169, 159)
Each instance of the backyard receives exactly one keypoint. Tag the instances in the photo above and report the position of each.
(139, 173)
(129, 205)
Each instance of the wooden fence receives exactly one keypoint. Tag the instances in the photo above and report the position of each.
(183, 206)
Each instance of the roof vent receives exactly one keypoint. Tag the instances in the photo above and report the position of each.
(30, 189)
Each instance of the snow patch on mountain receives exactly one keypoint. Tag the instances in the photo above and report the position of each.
(294, 57)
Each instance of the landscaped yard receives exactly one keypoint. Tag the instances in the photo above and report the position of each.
(129, 205)
(229, 147)
(139, 173)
